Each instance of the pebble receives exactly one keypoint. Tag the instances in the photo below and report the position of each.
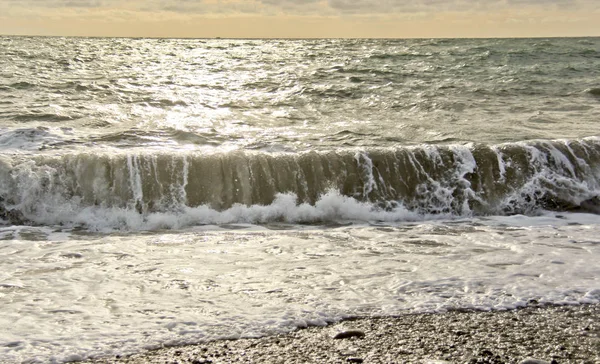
(347, 334)
(419, 338)
(355, 360)
(533, 361)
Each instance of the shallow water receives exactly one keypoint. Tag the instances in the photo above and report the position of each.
(162, 192)
(71, 295)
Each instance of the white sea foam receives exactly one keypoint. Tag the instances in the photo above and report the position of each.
(26, 140)
(331, 207)
(72, 295)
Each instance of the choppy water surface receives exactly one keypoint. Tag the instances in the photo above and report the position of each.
(294, 95)
(160, 192)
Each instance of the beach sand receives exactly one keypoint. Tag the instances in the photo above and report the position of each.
(552, 334)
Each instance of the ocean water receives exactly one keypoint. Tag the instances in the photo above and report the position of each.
(159, 192)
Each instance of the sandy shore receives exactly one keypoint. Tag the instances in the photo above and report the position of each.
(552, 334)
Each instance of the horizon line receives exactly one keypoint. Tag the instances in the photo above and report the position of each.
(290, 38)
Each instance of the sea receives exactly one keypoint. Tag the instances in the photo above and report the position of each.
(161, 192)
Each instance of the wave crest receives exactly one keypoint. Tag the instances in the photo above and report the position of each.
(426, 180)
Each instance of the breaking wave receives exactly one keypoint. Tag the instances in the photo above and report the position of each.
(154, 190)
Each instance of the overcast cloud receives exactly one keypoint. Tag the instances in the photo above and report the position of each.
(305, 7)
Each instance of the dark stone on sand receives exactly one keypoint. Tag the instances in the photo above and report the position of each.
(347, 334)
(533, 361)
(355, 360)
(486, 352)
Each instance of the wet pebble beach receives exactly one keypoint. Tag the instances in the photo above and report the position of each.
(543, 334)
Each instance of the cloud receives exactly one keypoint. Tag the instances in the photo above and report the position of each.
(341, 7)
(302, 7)
(56, 3)
(301, 18)
(436, 6)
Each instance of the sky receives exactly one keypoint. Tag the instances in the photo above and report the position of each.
(301, 18)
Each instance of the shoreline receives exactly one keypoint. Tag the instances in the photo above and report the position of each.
(534, 334)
